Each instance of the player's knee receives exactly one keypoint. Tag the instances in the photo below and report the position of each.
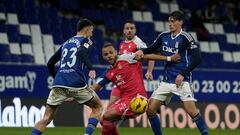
(192, 112)
(107, 117)
(97, 110)
(151, 111)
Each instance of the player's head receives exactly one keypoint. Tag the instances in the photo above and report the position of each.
(85, 27)
(109, 53)
(129, 29)
(175, 21)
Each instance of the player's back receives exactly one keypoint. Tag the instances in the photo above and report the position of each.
(71, 72)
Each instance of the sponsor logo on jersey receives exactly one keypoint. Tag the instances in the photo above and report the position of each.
(169, 49)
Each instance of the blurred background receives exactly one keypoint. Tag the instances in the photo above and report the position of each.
(32, 30)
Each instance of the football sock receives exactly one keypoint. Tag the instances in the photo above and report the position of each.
(200, 124)
(92, 123)
(155, 124)
(36, 132)
(109, 128)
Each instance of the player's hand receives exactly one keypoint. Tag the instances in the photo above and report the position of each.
(92, 74)
(138, 55)
(176, 57)
(179, 80)
(149, 76)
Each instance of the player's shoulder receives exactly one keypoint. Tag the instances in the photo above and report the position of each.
(187, 35)
(164, 33)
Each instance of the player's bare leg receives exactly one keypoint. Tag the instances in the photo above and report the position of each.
(113, 99)
(47, 118)
(108, 122)
(153, 106)
(191, 109)
(96, 105)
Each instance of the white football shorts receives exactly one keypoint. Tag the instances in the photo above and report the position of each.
(58, 95)
(165, 91)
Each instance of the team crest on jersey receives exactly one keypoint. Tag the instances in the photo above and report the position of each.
(120, 66)
(176, 45)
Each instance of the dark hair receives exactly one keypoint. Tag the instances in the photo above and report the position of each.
(177, 15)
(108, 44)
(83, 23)
(129, 21)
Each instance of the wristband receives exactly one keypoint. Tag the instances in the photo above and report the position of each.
(168, 58)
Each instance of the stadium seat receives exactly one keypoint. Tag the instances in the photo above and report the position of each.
(27, 53)
(218, 28)
(48, 46)
(214, 47)
(173, 7)
(236, 56)
(137, 16)
(3, 38)
(147, 16)
(231, 38)
(164, 8)
(12, 19)
(238, 38)
(204, 46)
(2, 17)
(227, 56)
(159, 26)
(209, 27)
(24, 29)
(15, 52)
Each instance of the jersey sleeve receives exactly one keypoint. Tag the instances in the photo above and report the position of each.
(104, 81)
(103, 78)
(194, 52)
(140, 44)
(53, 60)
(128, 57)
(154, 46)
(84, 57)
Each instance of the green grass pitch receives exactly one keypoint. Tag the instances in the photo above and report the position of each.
(123, 131)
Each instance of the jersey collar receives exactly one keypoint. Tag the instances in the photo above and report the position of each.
(176, 35)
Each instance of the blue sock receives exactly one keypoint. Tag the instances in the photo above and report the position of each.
(198, 119)
(35, 132)
(92, 123)
(155, 124)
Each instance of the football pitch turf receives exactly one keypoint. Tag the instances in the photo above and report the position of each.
(123, 131)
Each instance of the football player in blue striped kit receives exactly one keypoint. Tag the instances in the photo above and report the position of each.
(70, 80)
(177, 76)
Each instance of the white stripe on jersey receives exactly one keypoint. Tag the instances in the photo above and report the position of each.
(187, 35)
(128, 57)
(140, 44)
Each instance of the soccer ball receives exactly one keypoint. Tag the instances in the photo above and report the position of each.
(139, 104)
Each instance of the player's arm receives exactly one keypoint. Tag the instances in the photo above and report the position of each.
(154, 46)
(98, 86)
(150, 67)
(173, 58)
(84, 57)
(86, 61)
(195, 58)
(52, 61)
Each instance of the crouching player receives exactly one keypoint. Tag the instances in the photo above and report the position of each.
(124, 75)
